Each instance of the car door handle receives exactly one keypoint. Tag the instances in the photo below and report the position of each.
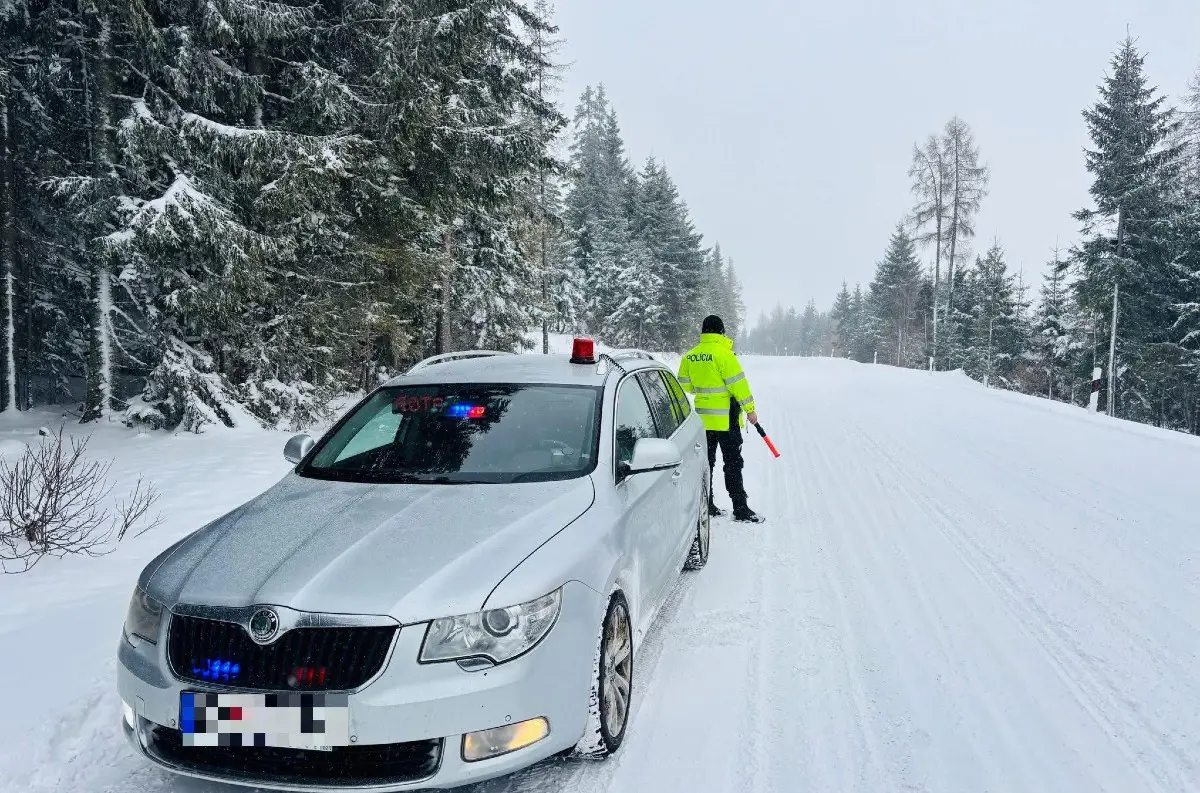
(675, 477)
(697, 447)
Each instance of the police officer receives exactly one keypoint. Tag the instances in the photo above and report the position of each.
(711, 371)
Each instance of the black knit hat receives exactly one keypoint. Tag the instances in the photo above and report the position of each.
(712, 324)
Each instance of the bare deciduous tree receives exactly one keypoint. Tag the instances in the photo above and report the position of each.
(931, 215)
(54, 502)
(966, 189)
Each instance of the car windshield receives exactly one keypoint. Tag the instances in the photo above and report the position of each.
(461, 434)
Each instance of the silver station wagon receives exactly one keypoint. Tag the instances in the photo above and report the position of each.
(451, 584)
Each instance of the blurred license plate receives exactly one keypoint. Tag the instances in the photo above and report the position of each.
(295, 721)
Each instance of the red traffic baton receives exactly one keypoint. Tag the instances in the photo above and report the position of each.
(770, 445)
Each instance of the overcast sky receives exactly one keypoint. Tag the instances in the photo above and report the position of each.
(789, 124)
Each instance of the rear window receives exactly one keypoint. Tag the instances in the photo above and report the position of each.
(464, 434)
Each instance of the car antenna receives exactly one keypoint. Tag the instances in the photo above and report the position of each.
(606, 357)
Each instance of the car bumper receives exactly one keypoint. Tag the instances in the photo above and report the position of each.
(409, 707)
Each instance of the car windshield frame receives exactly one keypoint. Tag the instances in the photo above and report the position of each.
(308, 470)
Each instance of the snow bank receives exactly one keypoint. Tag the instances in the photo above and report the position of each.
(60, 622)
(11, 448)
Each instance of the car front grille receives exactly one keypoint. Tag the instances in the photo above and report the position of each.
(369, 765)
(302, 659)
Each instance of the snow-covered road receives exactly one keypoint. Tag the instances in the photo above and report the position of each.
(957, 591)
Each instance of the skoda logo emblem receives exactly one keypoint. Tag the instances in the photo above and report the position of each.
(264, 626)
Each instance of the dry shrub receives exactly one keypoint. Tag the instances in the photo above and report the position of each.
(54, 502)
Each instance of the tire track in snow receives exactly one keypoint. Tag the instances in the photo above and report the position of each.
(836, 730)
(960, 667)
(1130, 733)
(858, 518)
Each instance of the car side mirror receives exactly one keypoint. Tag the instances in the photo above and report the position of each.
(297, 448)
(653, 454)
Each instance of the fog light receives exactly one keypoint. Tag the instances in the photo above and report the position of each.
(502, 740)
(127, 712)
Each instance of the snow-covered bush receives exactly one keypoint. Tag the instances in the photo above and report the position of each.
(280, 405)
(182, 392)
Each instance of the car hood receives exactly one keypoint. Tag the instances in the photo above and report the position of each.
(412, 551)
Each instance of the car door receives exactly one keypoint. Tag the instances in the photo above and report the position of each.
(670, 533)
(642, 496)
(692, 442)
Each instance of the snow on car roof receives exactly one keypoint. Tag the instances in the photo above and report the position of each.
(517, 369)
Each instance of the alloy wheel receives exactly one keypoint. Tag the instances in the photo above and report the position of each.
(616, 682)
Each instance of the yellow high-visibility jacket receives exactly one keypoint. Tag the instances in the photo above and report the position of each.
(711, 371)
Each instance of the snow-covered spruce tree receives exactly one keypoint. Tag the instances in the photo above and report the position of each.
(468, 132)
(713, 299)
(1055, 342)
(548, 245)
(894, 293)
(598, 206)
(842, 319)
(735, 313)
(661, 224)
(1185, 229)
(864, 337)
(808, 338)
(287, 178)
(1136, 167)
(193, 245)
(996, 333)
(718, 291)
(557, 308)
(957, 340)
(40, 47)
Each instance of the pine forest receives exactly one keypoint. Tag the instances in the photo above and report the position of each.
(934, 302)
(218, 212)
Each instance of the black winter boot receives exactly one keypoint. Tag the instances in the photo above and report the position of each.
(747, 515)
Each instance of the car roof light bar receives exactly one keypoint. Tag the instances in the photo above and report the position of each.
(632, 353)
(452, 356)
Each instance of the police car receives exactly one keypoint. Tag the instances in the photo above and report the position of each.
(450, 585)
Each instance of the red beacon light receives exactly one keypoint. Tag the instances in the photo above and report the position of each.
(583, 351)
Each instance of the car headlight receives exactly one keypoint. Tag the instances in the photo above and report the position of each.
(144, 616)
(496, 634)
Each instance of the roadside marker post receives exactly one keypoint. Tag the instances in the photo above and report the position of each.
(1094, 399)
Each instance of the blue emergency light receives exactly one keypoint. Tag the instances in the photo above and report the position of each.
(463, 410)
(216, 669)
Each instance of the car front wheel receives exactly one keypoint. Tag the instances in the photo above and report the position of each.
(612, 684)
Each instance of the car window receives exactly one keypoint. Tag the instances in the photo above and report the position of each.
(683, 408)
(633, 419)
(379, 431)
(490, 433)
(660, 403)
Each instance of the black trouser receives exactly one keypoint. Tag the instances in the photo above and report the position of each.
(730, 443)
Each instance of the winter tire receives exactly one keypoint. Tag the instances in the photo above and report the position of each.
(698, 555)
(612, 684)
